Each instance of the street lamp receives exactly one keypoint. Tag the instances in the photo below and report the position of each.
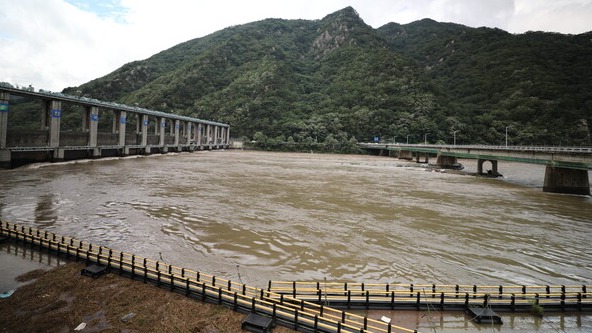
(454, 134)
(425, 138)
(408, 138)
(507, 135)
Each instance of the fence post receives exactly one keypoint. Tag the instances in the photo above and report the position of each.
(274, 313)
(392, 299)
(348, 299)
(145, 271)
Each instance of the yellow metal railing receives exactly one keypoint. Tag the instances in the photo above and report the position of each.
(286, 310)
(512, 297)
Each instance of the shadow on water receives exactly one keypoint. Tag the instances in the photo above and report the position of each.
(17, 259)
(45, 213)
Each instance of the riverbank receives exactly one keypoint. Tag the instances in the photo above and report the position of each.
(60, 300)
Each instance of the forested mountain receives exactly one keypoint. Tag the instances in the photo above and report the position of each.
(337, 81)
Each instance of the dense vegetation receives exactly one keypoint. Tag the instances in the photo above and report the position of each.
(326, 84)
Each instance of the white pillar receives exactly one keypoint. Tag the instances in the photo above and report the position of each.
(55, 114)
(177, 126)
(93, 125)
(122, 123)
(4, 99)
(145, 124)
(162, 130)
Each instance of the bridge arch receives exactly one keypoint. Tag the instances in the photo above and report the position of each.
(492, 172)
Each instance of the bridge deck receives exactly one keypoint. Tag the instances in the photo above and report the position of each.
(564, 157)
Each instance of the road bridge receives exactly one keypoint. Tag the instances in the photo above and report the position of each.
(566, 167)
(104, 129)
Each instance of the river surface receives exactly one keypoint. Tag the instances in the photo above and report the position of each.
(259, 216)
(311, 216)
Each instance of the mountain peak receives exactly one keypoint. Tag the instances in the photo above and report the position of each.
(346, 15)
(343, 27)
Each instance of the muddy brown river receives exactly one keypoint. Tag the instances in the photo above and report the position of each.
(259, 216)
(312, 216)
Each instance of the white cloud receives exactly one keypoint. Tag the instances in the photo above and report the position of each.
(564, 16)
(51, 44)
(54, 44)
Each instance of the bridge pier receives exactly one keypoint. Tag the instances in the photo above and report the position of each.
(445, 162)
(405, 155)
(419, 155)
(5, 159)
(58, 155)
(492, 172)
(569, 181)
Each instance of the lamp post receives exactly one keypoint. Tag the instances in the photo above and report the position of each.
(408, 138)
(425, 138)
(507, 135)
(454, 134)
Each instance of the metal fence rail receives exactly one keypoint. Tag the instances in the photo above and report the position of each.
(423, 296)
(288, 311)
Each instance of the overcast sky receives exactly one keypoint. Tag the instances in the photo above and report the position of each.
(54, 44)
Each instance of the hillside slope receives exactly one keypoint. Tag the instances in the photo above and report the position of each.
(337, 81)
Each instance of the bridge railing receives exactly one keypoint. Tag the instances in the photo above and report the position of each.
(374, 145)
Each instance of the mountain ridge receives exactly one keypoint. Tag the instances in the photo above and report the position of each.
(337, 80)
